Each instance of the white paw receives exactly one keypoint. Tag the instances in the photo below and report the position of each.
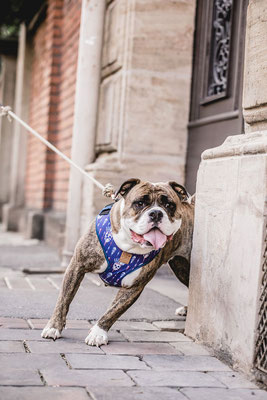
(96, 337)
(181, 311)
(52, 333)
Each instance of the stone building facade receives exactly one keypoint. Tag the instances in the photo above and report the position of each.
(140, 88)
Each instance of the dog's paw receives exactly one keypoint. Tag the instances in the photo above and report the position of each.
(96, 337)
(50, 333)
(181, 311)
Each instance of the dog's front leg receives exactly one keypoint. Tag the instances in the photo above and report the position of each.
(123, 300)
(71, 282)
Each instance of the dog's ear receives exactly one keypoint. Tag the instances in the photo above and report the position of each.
(126, 187)
(181, 191)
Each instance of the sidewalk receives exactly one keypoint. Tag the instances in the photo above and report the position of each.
(147, 357)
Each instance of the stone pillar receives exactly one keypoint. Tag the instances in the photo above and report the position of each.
(230, 220)
(85, 113)
(11, 211)
(7, 93)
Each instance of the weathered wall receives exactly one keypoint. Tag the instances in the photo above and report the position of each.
(144, 95)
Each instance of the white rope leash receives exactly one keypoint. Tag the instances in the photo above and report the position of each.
(107, 190)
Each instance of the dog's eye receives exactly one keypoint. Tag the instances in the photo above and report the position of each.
(139, 204)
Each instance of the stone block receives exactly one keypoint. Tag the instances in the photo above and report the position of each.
(19, 377)
(16, 323)
(102, 378)
(134, 326)
(88, 361)
(174, 379)
(42, 393)
(223, 394)
(135, 393)
(11, 347)
(185, 363)
(233, 380)
(61, 346)
(138, 348)
(38, 323)
(227, 248)
(190, 349)
(34, 225)
(31, 361)
(155, 336)
(20, 334)
(169, 325)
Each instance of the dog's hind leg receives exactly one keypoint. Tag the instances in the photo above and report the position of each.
(181, 268)
(123, 300)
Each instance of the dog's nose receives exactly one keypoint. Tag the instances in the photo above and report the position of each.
(156, 215)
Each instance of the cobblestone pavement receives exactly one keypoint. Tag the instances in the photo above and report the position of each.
(148, 356)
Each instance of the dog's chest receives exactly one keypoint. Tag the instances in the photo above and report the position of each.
(122, 267)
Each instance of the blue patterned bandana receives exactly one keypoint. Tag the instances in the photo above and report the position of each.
(119, 263)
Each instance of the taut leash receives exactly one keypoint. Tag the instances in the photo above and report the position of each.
(5, 111)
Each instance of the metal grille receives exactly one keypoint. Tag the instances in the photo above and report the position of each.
(261, 344)
(220, 48)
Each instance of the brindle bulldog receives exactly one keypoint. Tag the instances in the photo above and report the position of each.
(150, 225)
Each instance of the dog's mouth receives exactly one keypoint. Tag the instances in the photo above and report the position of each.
(155, 238)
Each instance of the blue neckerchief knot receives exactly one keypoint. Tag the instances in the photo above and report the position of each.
(119, 263)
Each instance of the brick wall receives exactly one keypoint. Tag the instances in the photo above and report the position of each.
(54, 65)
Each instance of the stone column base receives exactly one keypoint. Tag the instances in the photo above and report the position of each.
(11, 216)
(226, 263)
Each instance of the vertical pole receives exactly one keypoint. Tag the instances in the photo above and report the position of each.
(85, 112)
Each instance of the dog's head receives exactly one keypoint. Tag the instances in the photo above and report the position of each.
(151, 213)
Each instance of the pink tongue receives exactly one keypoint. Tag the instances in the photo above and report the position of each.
(156, 238)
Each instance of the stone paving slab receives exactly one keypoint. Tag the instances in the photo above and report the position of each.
(15, 323)
(61, 346)
(135, 393)
(233, 380)
(41, 284)
(170, 325)
(185, 363)
(84, 378)
(39, 323)
(20, 334)
(138, 348)
(31, 361)
(17, 283)
(11, 347)
(42, 393)
(155, 336)
(88, 304)
(223, 394)
(19, 377)
(134, 326)
(174, 379)
(190, 348)
(80, 335)
(88, 361)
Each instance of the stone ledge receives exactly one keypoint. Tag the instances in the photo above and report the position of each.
(239, 145)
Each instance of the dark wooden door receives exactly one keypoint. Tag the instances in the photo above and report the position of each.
(216, 94)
